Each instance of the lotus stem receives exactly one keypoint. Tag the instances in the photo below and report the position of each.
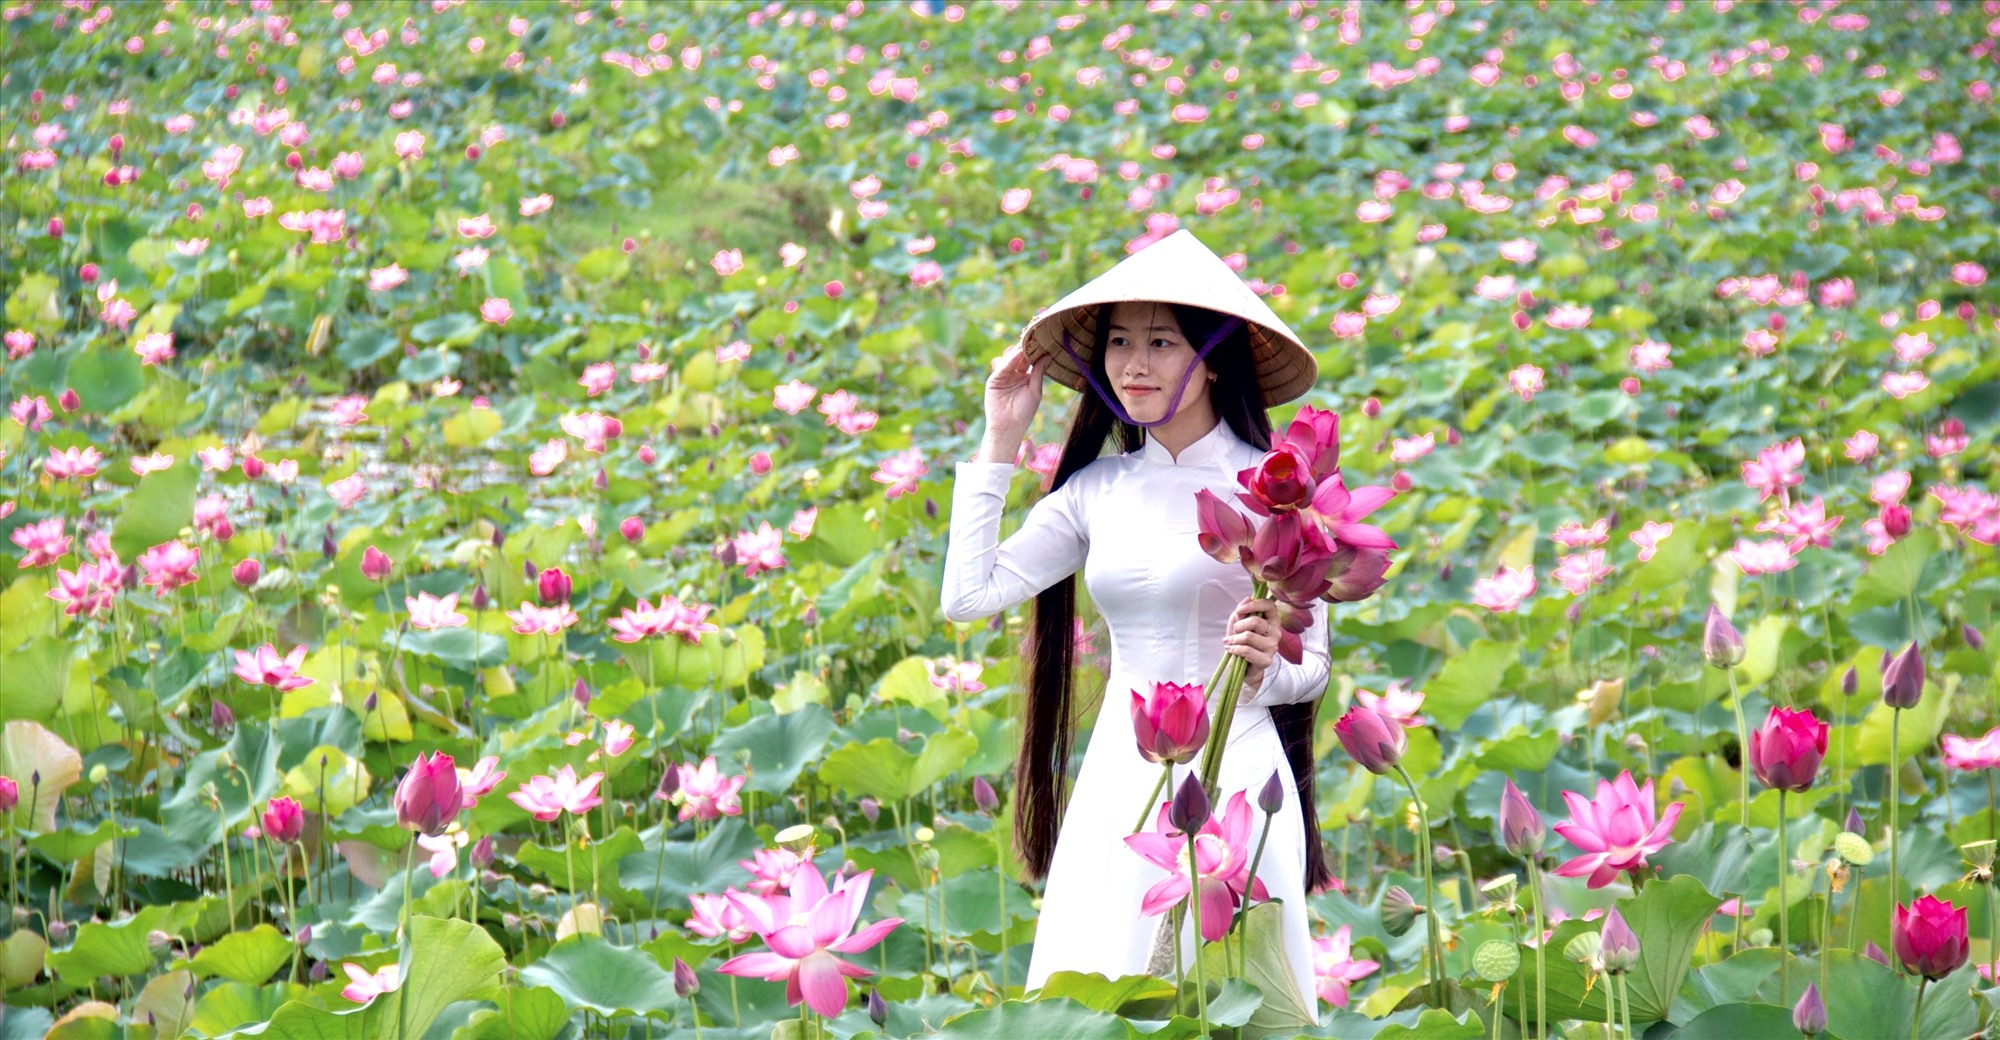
(1895, 801)
(1194, 909)
(1917, 1012)
(1784, 916)
(1424, 856)
(1541, 955)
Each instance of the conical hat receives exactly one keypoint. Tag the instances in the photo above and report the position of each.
(1176, 269)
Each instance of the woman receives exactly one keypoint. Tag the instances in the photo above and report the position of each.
(1183, 361)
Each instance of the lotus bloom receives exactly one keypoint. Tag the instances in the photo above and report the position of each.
(1616, 831)
(547, 797)
(553, 585)
(283, 820)
(431, 612)
(1224, 533)
(704, 793)
(496, 310)
(10, 794)
(532, 620)
(1903, 678)
(804, 930)
(1505, 591)
(1521, 828)
(364, 986)
(1785, 751)
(444, 850)
(1929, 936)
(1171, 724)
(44, 541)
(1281, 481)
(169, 565)
(1335, 968)
(1970, 755)
(375, 566)
(1221, 862)
(263, 667)
(717, 916)
(429, 796)
(1404, 706)
(773, 870)
(1371, 738)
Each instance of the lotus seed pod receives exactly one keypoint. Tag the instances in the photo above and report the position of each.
(1496, 960)
(1853, 848)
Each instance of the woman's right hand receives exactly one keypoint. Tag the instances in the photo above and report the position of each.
(1013, 393)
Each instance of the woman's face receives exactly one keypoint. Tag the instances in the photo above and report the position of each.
(1145, 356)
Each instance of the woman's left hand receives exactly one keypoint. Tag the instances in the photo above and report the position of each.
(1252, 634)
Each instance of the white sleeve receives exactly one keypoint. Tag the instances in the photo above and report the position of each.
(982, 575)
(1288, 683)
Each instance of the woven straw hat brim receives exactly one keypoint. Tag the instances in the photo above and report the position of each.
(1176, 269)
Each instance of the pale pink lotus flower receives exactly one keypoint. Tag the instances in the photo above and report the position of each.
(383, 279)
(444, 850)
(598, 378)
(144, 464)
(1577, 572)
(734, 350)
(900, 472)
(1861, 446)
(792, 398)
(20, 343)
(837, 404)
(222, 164)
(470, 260)
(635, 623)
(717, 917)
(1766, 557)
(616, 738)
(1568, 316)
(1968, 273)
(1616, 830)
(705, 794)
(1975, 512)
(31, 412)
(1912, 347)
(1397, 703)
(804, 929)
(215, 458)
(1879, 538)
(686, 620)
(1776, 468)
(926, 272)
(90, 589)
(759, 551)
(1760, 342)
(364, 986)
(1571, 534)
(446, 387)
(957, 677)
(791, 254)
(1579, 137)
(1525, 381)
(347, 165)
(595, 429)
(1505, 591)
(801, 526)
(1014, 200)
(44, 541)
(533, 619)
(429, 612)
(480, 226)
(1410, 449)
(1949, 438)
(727, 261)
(496, 310)
(535, 204)
(73, 463)
(1649, 536)
(1373, 211)
(169, 565)
(544, 460)
(260, 206)
(263, 667)
(282, 472)
(410, 144)
(1903, 384)
(349, 411)
(1888, 488)
(1335, 967)
(1221, 864)
(1376, 305)
(481, 779)
(772, 870)
(348, 490)
(1970, 755)
(1518, 250)
(1806, 523)
(1495, 288)
(546, 797)
(154, 347)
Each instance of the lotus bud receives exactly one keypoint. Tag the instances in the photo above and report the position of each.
(375, 566)
(1189, 809)
(1896, 521)
(870, 809)
(87, 273)
(220, 718)
(246, 572)
(1874, 953)
(1721, 644)
(1903, 678)
(554, 586)
(1271, 797)
(481, 855)
(10, 794)
(1620, 945)
(1973, 638)
(1850, 682)
(159, 942)
(317, 973)
(1373, 740)
(1522, 829)
(59, 933)
(1399, 910)
(983, 794)
(686, 984)
(1809, 1014)
(632, 528)
(878, 1009)
(581, 694)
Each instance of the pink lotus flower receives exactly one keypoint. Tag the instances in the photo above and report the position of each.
(1170, 723)
(480, 781)
(533, 620)
(1650, 356)
(429, 797)
(548, 797)
(595, 429)
(263, 667)
(1335, 967)
(1397, 704)
(444, 850)
(727, 262)
(900, 472)
(383, 279)
(1969, 755)
(283, 820)
(801, 526)
(72, 463)
(364, 986)
(348, 490)
(1648, 538)
(1525, 381)
(1014, 200)
(1571, 535)
(804, 930)
(1765, 557)
(480, 226)
(792, 398)
(429, 612)
(773, 870)
(1578, 572)
(1888, 489)
(1930, 937)
(44, 541)
(1221, 863)
(1806, 523)
(1568, 316)
(760, 550)
(704, 793)
(496, 310)
(1776, 468)
(1785, 751)
(169, 565)
(1505, 591)
(1616, 830)
(718, 916)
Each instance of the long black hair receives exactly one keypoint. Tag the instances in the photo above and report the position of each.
(1047, 725)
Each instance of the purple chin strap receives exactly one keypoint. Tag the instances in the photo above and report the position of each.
(1111, 400)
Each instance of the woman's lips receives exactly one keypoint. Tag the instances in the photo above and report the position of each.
(1140, 391)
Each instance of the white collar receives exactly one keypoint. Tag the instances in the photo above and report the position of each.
(1207, 449)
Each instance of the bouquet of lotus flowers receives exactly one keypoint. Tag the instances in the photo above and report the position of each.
(1303, 539)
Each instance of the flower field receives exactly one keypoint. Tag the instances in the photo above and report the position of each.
(476, 481)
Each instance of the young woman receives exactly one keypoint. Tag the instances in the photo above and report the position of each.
(1182, 361)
